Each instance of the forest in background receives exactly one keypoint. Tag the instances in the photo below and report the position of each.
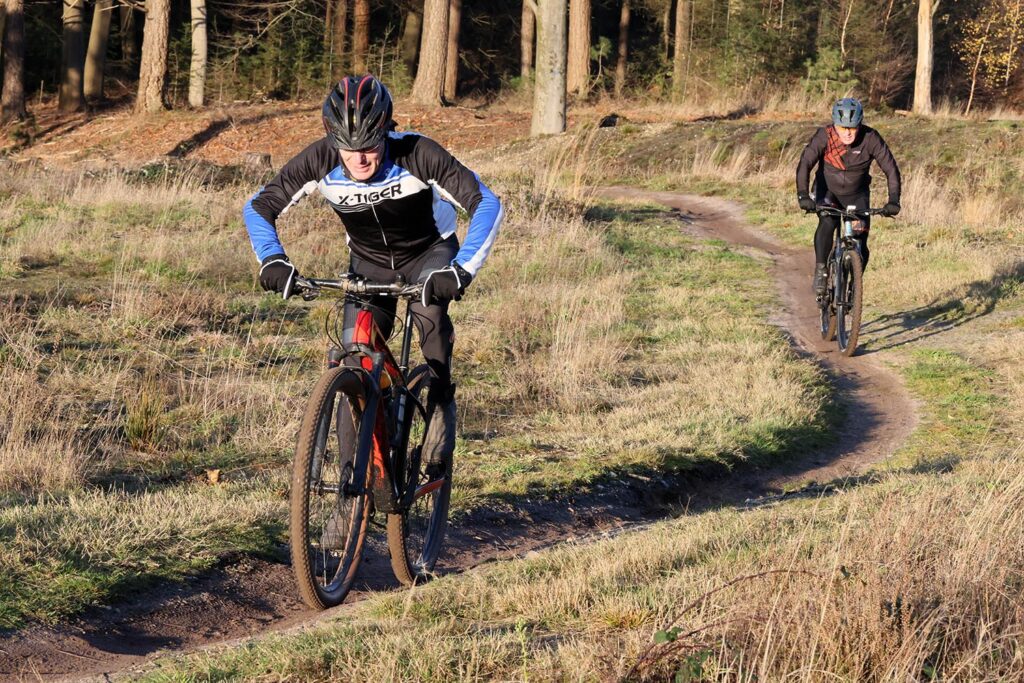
(177, 53)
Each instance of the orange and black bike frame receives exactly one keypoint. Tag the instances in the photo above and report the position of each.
(382, 374)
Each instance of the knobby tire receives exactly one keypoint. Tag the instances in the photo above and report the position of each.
(415, 536)
(320, 520)
(848, 314)
(827, 309)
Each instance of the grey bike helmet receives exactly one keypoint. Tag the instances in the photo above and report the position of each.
(357, 113)
(847, 113)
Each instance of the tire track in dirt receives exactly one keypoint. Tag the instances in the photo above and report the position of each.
(248, 596)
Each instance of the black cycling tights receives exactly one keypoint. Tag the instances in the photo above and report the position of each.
(825, 234)
(437, 334)
(828, 225)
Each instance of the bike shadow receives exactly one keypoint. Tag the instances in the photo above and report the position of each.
(945, 312)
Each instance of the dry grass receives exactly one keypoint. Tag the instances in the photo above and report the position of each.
(935, 596)
(167, 362)
(913, 573)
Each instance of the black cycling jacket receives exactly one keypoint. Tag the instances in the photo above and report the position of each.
(393, 217)
(855, 178)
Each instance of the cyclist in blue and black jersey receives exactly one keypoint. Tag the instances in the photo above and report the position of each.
(843, 153)
(396, 195)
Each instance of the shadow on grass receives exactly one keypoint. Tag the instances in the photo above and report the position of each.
(944, 313)
(735, 115)
(213, 130)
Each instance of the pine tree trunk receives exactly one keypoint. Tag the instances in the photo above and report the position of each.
(549, 91)
(339, 35)
(923, 75)
(682, 48)
(578, 73)
(72, 93)
(197, 69)
(96, 56)
(451, 73)
(328, 26)
(3, 25)
(526, 35)
(411, 38)
(129, 47)
(153, 70)
(14, 62)
(665, 31)
(360, 35)
(620, 64)
(433, 50)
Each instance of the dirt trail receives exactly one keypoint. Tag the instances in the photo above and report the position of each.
(880, 412)
(251, 596)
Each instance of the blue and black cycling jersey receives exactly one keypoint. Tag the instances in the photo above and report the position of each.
(391, 219)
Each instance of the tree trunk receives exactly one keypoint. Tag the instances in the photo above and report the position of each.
(411, 38)
(433, 50)
(923, 76)
(96, 56)
(197, 69)
(974, 76)
(665, 30)
(578, 69)
(451, 72)
(526, 42)
(153, 70)
(129, 48)
(3, 25)
(620, 63)
(339, 36)
(72, 93)
(681, 53)
(14, 62)
(360, 35)
(549, 91)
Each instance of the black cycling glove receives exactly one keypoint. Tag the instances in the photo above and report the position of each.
(446, 284)
(891, 209)
(277, 274)
(806, 203)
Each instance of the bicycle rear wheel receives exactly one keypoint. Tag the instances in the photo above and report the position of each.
(849, 306)
(416, 535)
(327, 524)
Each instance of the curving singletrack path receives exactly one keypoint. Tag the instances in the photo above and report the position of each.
(247, 597)
(880, 413)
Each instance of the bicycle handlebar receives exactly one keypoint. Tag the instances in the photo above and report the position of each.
(310, 288)
(835, 211)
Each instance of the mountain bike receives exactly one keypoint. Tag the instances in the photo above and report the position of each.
(840, 305)
(366, 446)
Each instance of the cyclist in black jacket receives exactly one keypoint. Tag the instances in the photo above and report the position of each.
(396, 195)
(843, 153)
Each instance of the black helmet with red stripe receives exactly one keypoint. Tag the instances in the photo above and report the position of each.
(357, 113)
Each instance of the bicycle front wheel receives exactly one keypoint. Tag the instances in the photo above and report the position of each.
(826, 306)
(849, 309)
(416, 534)
(327, 525)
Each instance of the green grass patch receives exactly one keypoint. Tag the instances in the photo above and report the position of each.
(962, 417)
(698, 379)
(64, 554)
